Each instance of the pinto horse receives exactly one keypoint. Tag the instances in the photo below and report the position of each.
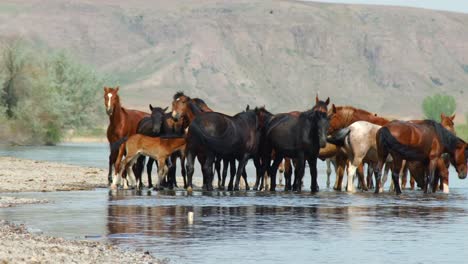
(298, 137)
(218, 135)
(423, 141)
(122, 122)
(342, 117)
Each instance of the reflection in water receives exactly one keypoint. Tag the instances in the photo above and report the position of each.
(251, 217)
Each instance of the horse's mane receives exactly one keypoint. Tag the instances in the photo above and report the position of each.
(449, 140)
(178, 94)
(347, 112)
(198, 101)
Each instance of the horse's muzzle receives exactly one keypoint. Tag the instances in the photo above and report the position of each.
(462, 175)
(175, 115)
(109, 111)
(323, 143)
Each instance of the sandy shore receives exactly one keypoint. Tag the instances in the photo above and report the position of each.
(19, 175)
(17, 245)
(20, 246)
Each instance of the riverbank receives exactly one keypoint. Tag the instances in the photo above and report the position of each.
(18, 245)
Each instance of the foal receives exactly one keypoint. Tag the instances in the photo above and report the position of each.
(158, 148)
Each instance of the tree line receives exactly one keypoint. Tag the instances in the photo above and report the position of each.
(43, 94)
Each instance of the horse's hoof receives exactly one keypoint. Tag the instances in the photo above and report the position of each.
(247, 188)
(236, 188)
(114, 187)
(150, 186)
(221, 188)
(156, 188)
(189, 189)
(255, 188)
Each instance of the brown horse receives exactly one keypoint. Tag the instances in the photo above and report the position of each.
(417, 169)
(157, 148)
(423, 141)
(122, 122)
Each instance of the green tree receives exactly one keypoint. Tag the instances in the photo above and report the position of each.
(437, 104)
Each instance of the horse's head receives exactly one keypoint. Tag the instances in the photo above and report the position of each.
(263, 116)
(323, 124)
(335, 115)
(447, 122)
(157, 118)
(459, 159)
(111, 98)
(179, 105)
(321, 106)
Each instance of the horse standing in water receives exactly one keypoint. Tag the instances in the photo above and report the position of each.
(423, 141)
(342, 117)
(122, 123)
(296, 135)
(212, 135)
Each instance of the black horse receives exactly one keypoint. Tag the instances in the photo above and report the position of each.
(297, 135)
(213, 135)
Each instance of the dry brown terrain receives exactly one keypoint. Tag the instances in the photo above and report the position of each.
(277, 53)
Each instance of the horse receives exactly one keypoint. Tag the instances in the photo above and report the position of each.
(188, 108)
(417, 169)
(342, 117)
(122, 122)
(297, 136)
(423, 141)
(215, 134)
(158, 148)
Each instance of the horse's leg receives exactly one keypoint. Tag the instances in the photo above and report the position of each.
(429, 182)
(287, 174)
(218, 171)
(258, 170)
(140, 164)
(109, 176)
(362, 181)
(232, 170)
(329, 171)
(444, 177)
(404, 175)
(352, 167)
(382, 155)
(162, 173)
(183, 171)
(281, 171)
(272, 172)
(240, 170)
(370, 171)
(313, 174)
(397, 165)
(149, 169)
(385, 175)
(244, 175)
(300, 166)
(340, 160)
(190, 162)
(208, 170)
(411, 182)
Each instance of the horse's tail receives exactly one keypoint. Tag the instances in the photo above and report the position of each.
(386, 140)
(119, 146)
(339, 137)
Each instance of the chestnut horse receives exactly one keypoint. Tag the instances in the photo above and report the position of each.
(158, 148)
(122, 122)
(423, 141)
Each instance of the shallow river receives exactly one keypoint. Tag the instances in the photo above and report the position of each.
(253, 227)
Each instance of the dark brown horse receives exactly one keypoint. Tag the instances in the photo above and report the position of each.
(122, 122)
(298, 137)
(423, 141)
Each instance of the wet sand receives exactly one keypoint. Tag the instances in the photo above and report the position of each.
(20, 246)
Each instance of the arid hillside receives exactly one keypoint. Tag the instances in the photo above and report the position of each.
(273, 53)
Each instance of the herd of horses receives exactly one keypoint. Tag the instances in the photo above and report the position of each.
(345, 136)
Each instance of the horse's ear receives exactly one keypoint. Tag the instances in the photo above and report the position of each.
(316, 99)
(106, 89)
(165, 109)
(117, 89)
(247, 108)
(151, 107)
(452, 117)
(442, 116)
(327, 101)
(333, 108)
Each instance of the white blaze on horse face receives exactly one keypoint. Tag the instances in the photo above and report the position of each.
(109, 96)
